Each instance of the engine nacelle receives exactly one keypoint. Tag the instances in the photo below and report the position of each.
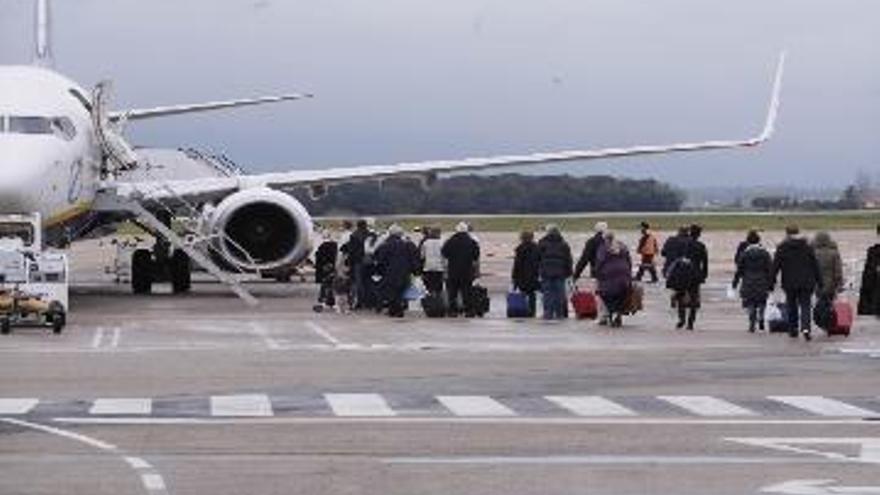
(261, 229)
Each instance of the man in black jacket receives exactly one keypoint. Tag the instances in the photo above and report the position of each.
(869, 296)
(525, 270)
(462, 254)
(555, 268)
(591, 249)
(397, 260)
(796, 260)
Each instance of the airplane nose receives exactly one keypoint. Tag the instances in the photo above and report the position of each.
(24, 174)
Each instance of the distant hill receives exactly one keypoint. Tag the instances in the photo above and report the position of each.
(499, 194)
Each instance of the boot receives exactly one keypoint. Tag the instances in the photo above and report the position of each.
(692, 318)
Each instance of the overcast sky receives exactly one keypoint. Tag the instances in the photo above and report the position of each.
(401, 80)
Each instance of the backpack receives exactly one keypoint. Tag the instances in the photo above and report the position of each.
(682, 274)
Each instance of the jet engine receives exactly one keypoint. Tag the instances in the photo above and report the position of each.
(260, 229)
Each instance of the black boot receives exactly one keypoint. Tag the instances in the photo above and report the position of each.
(681, 317)
(692, 318)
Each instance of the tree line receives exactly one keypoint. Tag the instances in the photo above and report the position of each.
(497, 194)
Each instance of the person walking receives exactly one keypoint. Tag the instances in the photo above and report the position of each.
(648, 249)
(525, 274)
(754, 277)
(614, 274)
(830, 266)
(674, 247)
(869, 295)
(325, 271)
(554, 269)
(397, 261)
(796, 261)
(433, 264)
(462, 255)
(591, 248)
(687, 270)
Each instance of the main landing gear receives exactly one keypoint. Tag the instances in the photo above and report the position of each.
(161, 264)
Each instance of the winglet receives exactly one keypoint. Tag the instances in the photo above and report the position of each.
(773, 111)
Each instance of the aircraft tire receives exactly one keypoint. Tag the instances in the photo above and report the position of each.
(5, 326)
(142, 272)
(181, 272)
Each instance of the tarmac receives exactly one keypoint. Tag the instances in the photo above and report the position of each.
(201, 395)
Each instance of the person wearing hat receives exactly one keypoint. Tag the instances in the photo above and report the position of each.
(462, 255)
(397, 261)
(869, 296)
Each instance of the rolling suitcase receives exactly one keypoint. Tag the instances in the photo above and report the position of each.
(478, 303)
(585, 305)
(517, 305)
(843, 319)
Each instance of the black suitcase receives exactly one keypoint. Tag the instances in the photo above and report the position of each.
(478, 301)
(434, 306)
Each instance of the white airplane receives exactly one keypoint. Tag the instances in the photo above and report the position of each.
(62, 155)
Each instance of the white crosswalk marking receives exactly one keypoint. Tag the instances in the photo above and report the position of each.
(474, 405)
(590, 405)
(704, 405)
(17, 406)
(241, 405)
(822, 406)
(359, 405)
(122, 406)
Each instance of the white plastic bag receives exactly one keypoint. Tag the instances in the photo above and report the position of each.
(731, 294)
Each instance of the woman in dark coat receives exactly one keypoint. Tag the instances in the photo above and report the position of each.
(614, 273)
(754, 277)
(525, 270)
(688, 268)
(869, 298)
(397, 260)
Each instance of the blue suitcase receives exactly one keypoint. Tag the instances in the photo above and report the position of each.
(517, 305)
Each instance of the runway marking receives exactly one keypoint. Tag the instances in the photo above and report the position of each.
(151, 480)
(241, 405)
(97, 338)
(321, 332)
(823, 406)
(869, 451)
(602, 459)
(590, 405)
(474, 405)
(359, 405)
(263, 333)
(117, 335)
(704, 405)
(122, 406)
(17, 406)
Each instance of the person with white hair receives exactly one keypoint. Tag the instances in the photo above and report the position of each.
(591, 249)
(462, 255)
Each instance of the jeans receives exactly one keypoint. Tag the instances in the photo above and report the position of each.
(800, 306)
(553, 300)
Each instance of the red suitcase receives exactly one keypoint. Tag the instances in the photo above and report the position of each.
(585, 304)
(843, 313)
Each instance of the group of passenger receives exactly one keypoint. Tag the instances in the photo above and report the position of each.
(365, 270)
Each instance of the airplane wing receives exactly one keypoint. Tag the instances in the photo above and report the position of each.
(149, 113)
(209, 189)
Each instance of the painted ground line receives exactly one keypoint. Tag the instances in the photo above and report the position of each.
(359, 405)
(151, 480)
(98, 337)
(590, 405)
(606, 460)
(261, 332)
(17, 406)
(122, 406)
(241, 405)
(321, 332)
(822, 406)
(117, 335)
(704, 405)
(517, 420)
(474, 405)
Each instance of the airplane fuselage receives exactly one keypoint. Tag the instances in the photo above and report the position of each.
(49, 159)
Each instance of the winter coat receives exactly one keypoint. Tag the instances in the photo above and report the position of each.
(432, 256)
(588, 256)
(649, 247)
(462, 254)
(526, 264)
(754, 274)
(687, 264)
(555, 255)
(869, 297)
(325, 261)
(354, 248)
(613, 269)
(796, 260)
(673, 248)
(830, 265)
(397, 260)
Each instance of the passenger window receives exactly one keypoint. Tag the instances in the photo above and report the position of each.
(30, 125)
(63, 127)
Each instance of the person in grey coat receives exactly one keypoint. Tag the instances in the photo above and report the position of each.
(830, 265)
(754, 277)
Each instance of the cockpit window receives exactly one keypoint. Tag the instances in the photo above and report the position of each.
(82, 99)
(30, 125)
(61, 127)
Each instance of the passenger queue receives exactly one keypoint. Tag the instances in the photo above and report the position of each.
(363, 270)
